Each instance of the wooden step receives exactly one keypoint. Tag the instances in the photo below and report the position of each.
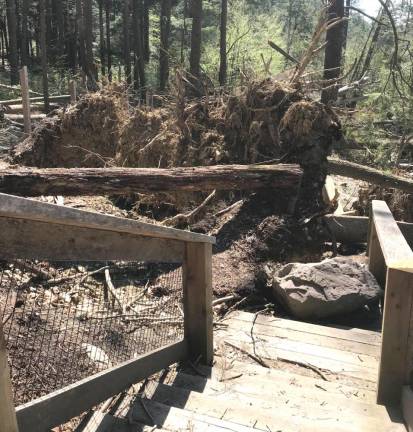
(271, 350)
(345, 345)
(284, 391)
(350, 334)
(233, 371)
(175, 419)
(270, 415)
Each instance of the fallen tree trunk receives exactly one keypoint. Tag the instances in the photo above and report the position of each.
(122, 181)
(370, 175)
(35, 99)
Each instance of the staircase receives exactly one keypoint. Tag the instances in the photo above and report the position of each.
(270, 374)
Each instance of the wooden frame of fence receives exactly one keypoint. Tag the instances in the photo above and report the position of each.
(391, 262)
(31, 229)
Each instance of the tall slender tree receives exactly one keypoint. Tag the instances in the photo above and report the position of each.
(334, 51)
(13, 49)
(102, 39)
(139, 58)
(108, 7)
(91, 70)
(196, 39)
(126, 40)
(165, 24)
(43, 51)
(25, 34)
(223, 43)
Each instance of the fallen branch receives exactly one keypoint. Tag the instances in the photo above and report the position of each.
(189, 218)
(251, 356)
(306, 365)
(223, 300)
(282, 52)
(112, 290)
(228, 209)
(370, 175)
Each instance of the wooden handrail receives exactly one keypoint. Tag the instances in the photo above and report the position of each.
(391, 262)
(34, 230)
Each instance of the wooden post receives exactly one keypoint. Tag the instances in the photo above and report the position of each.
(72, 91)
(197, 281)
(24, 84)
(377, 265)
(398, 305)
(8, 421)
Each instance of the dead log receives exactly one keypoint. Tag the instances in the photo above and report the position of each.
(370, 175)
(61, 98)
(122, 181)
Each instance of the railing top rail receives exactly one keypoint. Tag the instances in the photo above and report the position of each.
(23, 208)
(396, 251)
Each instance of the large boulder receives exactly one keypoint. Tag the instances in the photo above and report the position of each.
(319, 290)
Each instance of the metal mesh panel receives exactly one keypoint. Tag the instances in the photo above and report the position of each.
(65, 321)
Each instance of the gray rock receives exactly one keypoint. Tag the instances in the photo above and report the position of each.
(319, 290)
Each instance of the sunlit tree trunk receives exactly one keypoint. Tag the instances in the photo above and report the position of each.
(223, 43)
(165, 23)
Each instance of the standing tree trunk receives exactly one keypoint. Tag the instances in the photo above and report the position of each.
(145, 31)
(333, 54)
(139, 58)
(25, 34)
(88, 31)
(223, 43)
(101, 39)
(60, 21)
(81, 36)
(196, 39)
(126, 44)
(13, 52)
(165, 22)
(108, 47)
(347, 15)
(43, 50)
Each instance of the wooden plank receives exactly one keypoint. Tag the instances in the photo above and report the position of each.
(409, 369)
(407, 407)
(367, 337)
(354, 229)
(197, 282)
(392, 242)
(332, 352)
(27, 239)
(8, 422)
(279, 388)
(23, 208)
(270, 414)
(175, 419)
(24, 84)
(304, 337)
(398, 307)
(377, 264)
(60, 406)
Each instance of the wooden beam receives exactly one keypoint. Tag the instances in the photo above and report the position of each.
(354, 229)
(115, 181)
(60, 406)
(8, 422)
(27, 239)
(197, 282)
(407, 407)
(23, 208)
(24, 84)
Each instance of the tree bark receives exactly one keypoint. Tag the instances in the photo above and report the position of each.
(165, 23)
(60, 21)
(43, 50)
(334, 51)
(88, 32)
(126, 40)
(196, 39)
(145, 30)
(101, 39)
(13, 50)
(81, 35)
(223, 43)
(108, 7)
(120, 181)
(139, 60)
(25, 34)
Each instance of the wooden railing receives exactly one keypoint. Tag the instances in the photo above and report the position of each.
(391, 262)
(34, 230)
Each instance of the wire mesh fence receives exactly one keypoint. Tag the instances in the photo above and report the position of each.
(64, 321)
